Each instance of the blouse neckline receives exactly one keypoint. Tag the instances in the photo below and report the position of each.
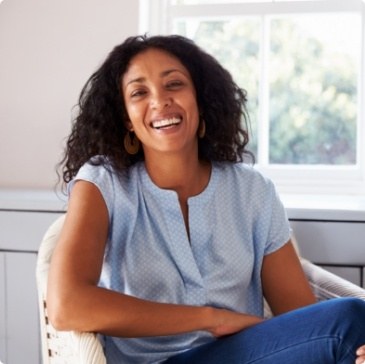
(166, 193)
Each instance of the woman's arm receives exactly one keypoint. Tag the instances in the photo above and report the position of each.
(284, 283)
(286, 287)
(75, 302)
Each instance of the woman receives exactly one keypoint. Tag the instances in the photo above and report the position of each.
(169, 243)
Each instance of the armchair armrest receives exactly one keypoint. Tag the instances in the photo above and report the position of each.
(326, 285)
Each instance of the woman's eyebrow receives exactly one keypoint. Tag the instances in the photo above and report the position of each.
(136, 80)
(172, 70)
(162, 74)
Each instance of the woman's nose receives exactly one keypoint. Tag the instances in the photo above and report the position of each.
(161, 100)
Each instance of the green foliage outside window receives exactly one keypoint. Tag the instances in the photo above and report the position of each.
(312, 87)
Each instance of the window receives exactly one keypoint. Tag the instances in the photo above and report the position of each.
(302, 64)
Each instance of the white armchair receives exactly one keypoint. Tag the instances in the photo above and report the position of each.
(85, 348)
(61, 347)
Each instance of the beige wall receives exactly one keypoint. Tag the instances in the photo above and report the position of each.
(48, 49)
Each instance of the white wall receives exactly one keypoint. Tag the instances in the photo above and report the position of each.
(48, 49)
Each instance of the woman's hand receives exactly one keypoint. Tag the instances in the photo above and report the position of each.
(360, 355)
(227, 322)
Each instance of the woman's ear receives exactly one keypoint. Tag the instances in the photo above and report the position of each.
(128, 125)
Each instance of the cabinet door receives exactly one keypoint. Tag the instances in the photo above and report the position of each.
(2, 308)
(331, 242)
(23, 339)
(23, 230)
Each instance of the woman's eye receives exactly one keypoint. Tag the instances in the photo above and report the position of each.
(138, 93)
(174, 84)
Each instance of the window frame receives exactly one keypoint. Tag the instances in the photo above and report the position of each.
(157, 16)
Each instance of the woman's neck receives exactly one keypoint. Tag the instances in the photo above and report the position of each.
(188, 176)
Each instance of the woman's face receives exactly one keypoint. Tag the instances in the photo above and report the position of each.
(160, 99)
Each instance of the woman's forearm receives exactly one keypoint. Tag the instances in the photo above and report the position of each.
(100, 310)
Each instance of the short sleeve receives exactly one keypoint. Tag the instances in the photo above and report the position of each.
(279, 229)
(102, 178)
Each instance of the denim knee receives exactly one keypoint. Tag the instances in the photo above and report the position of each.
(348, 314)
(350, 306)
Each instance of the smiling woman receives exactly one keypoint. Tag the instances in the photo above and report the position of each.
(168, 252)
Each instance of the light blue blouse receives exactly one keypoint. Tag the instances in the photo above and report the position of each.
(233, 223)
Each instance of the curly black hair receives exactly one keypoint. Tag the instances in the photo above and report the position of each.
(99, 128)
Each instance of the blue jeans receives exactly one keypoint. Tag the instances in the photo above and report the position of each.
(324, 333)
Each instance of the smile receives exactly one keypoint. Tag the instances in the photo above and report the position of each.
(165, 123)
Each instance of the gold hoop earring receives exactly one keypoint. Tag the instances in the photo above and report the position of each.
(201, 130)
(131, 145)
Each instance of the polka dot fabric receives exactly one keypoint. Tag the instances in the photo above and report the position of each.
(233, 223)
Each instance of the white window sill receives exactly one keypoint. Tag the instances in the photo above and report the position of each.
(325, 207)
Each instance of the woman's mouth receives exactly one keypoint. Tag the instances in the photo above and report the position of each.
(166, 123)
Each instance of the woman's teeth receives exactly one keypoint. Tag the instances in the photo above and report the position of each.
(159, 124)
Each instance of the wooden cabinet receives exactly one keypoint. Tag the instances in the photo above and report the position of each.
(21, 231)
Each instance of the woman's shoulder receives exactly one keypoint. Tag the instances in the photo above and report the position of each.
(116, 187)
(100, 167)
(244, 180)
(103, 173)
(242, 171)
